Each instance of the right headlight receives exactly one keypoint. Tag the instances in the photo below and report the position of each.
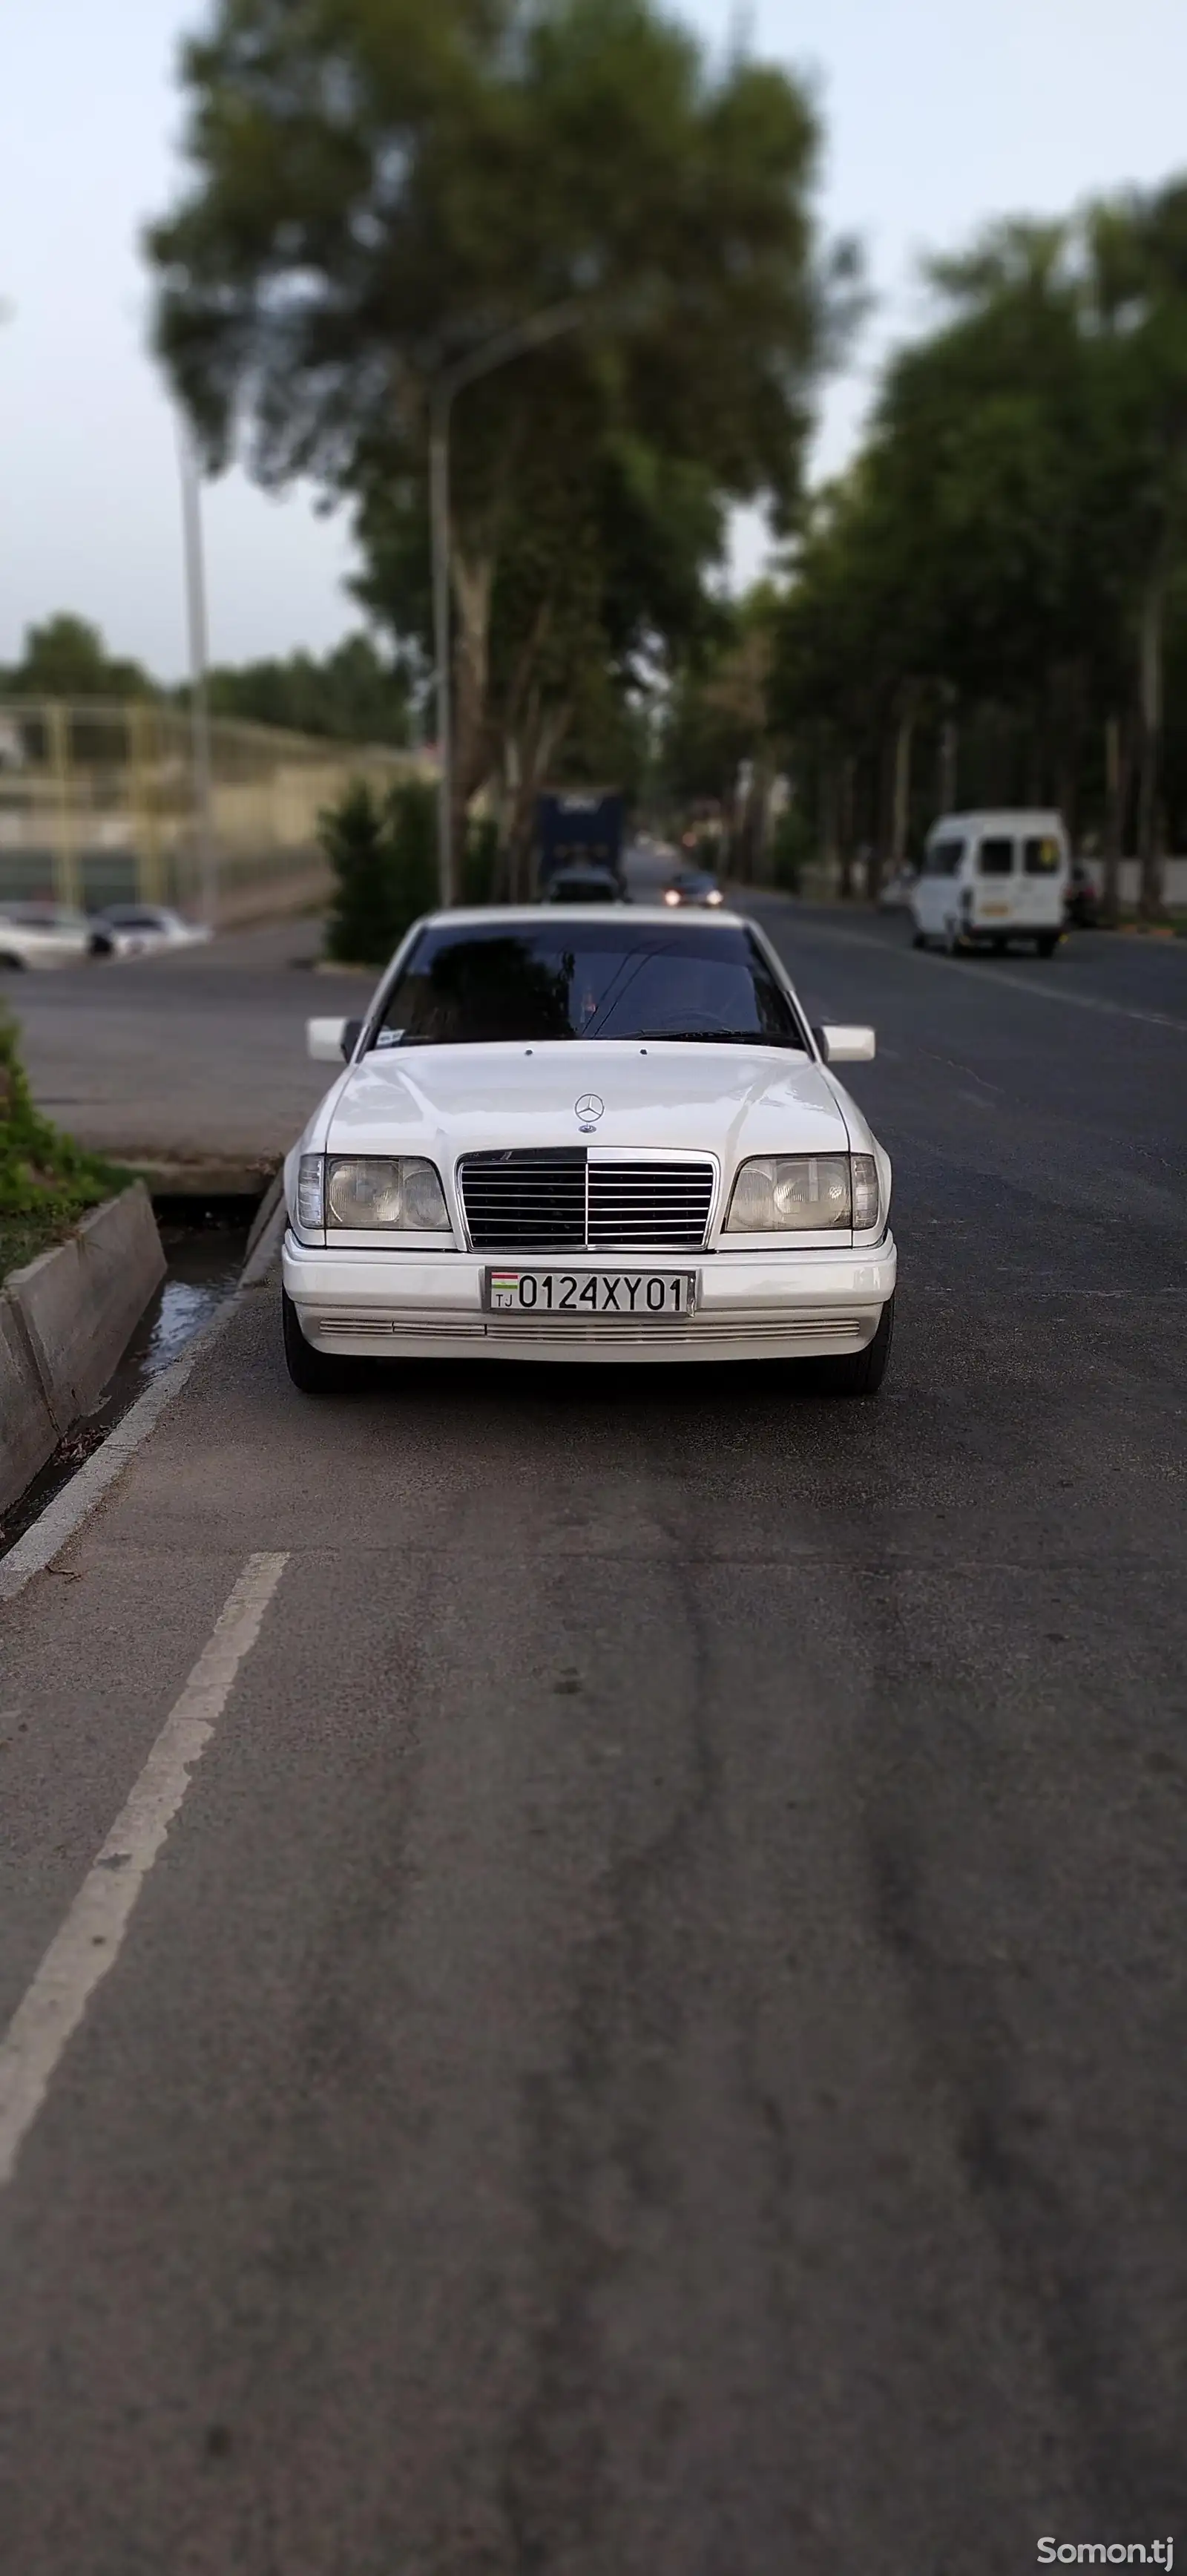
(804, 1194)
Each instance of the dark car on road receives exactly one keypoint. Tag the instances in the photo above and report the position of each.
(585, 885)
(694, 885)
(1081, 910)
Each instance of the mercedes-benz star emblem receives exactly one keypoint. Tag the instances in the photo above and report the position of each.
(589, 1109)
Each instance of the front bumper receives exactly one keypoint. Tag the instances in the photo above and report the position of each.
(749, 1306)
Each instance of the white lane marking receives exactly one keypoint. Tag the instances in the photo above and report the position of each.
(1053, 993)
(995, 979)
(90, 1939)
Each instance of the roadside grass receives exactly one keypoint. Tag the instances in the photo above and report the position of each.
(1173, 924)
(47, 1182)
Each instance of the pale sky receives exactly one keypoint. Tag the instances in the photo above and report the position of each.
(939, 114)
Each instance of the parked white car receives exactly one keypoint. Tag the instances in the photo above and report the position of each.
(42, 934)
(993, 878)
(142, 930)
(588, 1134)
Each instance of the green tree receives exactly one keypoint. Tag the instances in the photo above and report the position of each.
(382, 855)
(377, 189)
(977, 566)
(1136, 290)
(718, 740)
(67, 658)
(354, 693)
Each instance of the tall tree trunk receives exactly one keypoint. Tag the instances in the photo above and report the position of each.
(829, 792)
(900, 821)
(1116, 801)
(1150, 747)
(757, 835)
(473, 582)
(845, 828)
(949, 765)
(534, 750)
(881, 816)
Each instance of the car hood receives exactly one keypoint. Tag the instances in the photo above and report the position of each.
(446, 1101)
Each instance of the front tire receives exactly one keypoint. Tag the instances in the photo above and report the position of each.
(919, 939)
(312, 1371)
(1047, 945)
(859, 1373)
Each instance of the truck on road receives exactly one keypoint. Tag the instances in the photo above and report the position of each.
(579, 826)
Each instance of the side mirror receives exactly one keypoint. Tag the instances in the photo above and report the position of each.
(846, 1045)
(324, 1039)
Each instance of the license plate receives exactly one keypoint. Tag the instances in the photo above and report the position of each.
(650, 1294)
(995, 912)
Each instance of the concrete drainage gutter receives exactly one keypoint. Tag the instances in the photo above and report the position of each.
(65, 1323)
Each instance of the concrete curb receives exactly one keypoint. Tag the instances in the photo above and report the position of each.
(265, 1212)
(78, 1498)
(65, 1323)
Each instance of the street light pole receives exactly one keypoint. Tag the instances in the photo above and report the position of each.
(496, 352)
(441, 403)
(195, 593)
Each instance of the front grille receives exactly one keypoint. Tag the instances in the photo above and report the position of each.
(566, 1201)
(529, 1202)
(645, 1203)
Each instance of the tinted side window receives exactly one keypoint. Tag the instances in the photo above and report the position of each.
(996, 859)
(943, 859)
(1041, 858)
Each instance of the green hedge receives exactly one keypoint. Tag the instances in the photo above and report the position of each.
(383, 854)
(46, 1180)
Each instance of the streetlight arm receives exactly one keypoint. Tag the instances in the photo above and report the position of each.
(514, 343)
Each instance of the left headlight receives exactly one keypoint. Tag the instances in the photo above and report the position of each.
(804, 1194)
(380, 1194)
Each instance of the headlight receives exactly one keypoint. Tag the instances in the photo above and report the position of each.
(671, 895)
(716, 896)
(804, 1194)
(375, 1194)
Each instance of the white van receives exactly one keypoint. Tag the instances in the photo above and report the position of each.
(988, 879)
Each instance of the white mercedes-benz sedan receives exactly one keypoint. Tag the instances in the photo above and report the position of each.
(588, 1133)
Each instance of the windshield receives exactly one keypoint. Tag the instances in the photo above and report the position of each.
(475, 986)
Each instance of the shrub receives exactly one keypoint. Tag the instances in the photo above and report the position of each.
(791, 850)
(46, 1180)
(383, 856)
(412, 836)
(354, 839)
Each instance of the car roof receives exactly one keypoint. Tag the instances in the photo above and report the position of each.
(551, 913)
(1003, 818)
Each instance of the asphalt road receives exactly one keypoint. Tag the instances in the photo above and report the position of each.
(196, 1059)
(656, 2043)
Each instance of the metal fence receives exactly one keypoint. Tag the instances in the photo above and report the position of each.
(97, 806)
